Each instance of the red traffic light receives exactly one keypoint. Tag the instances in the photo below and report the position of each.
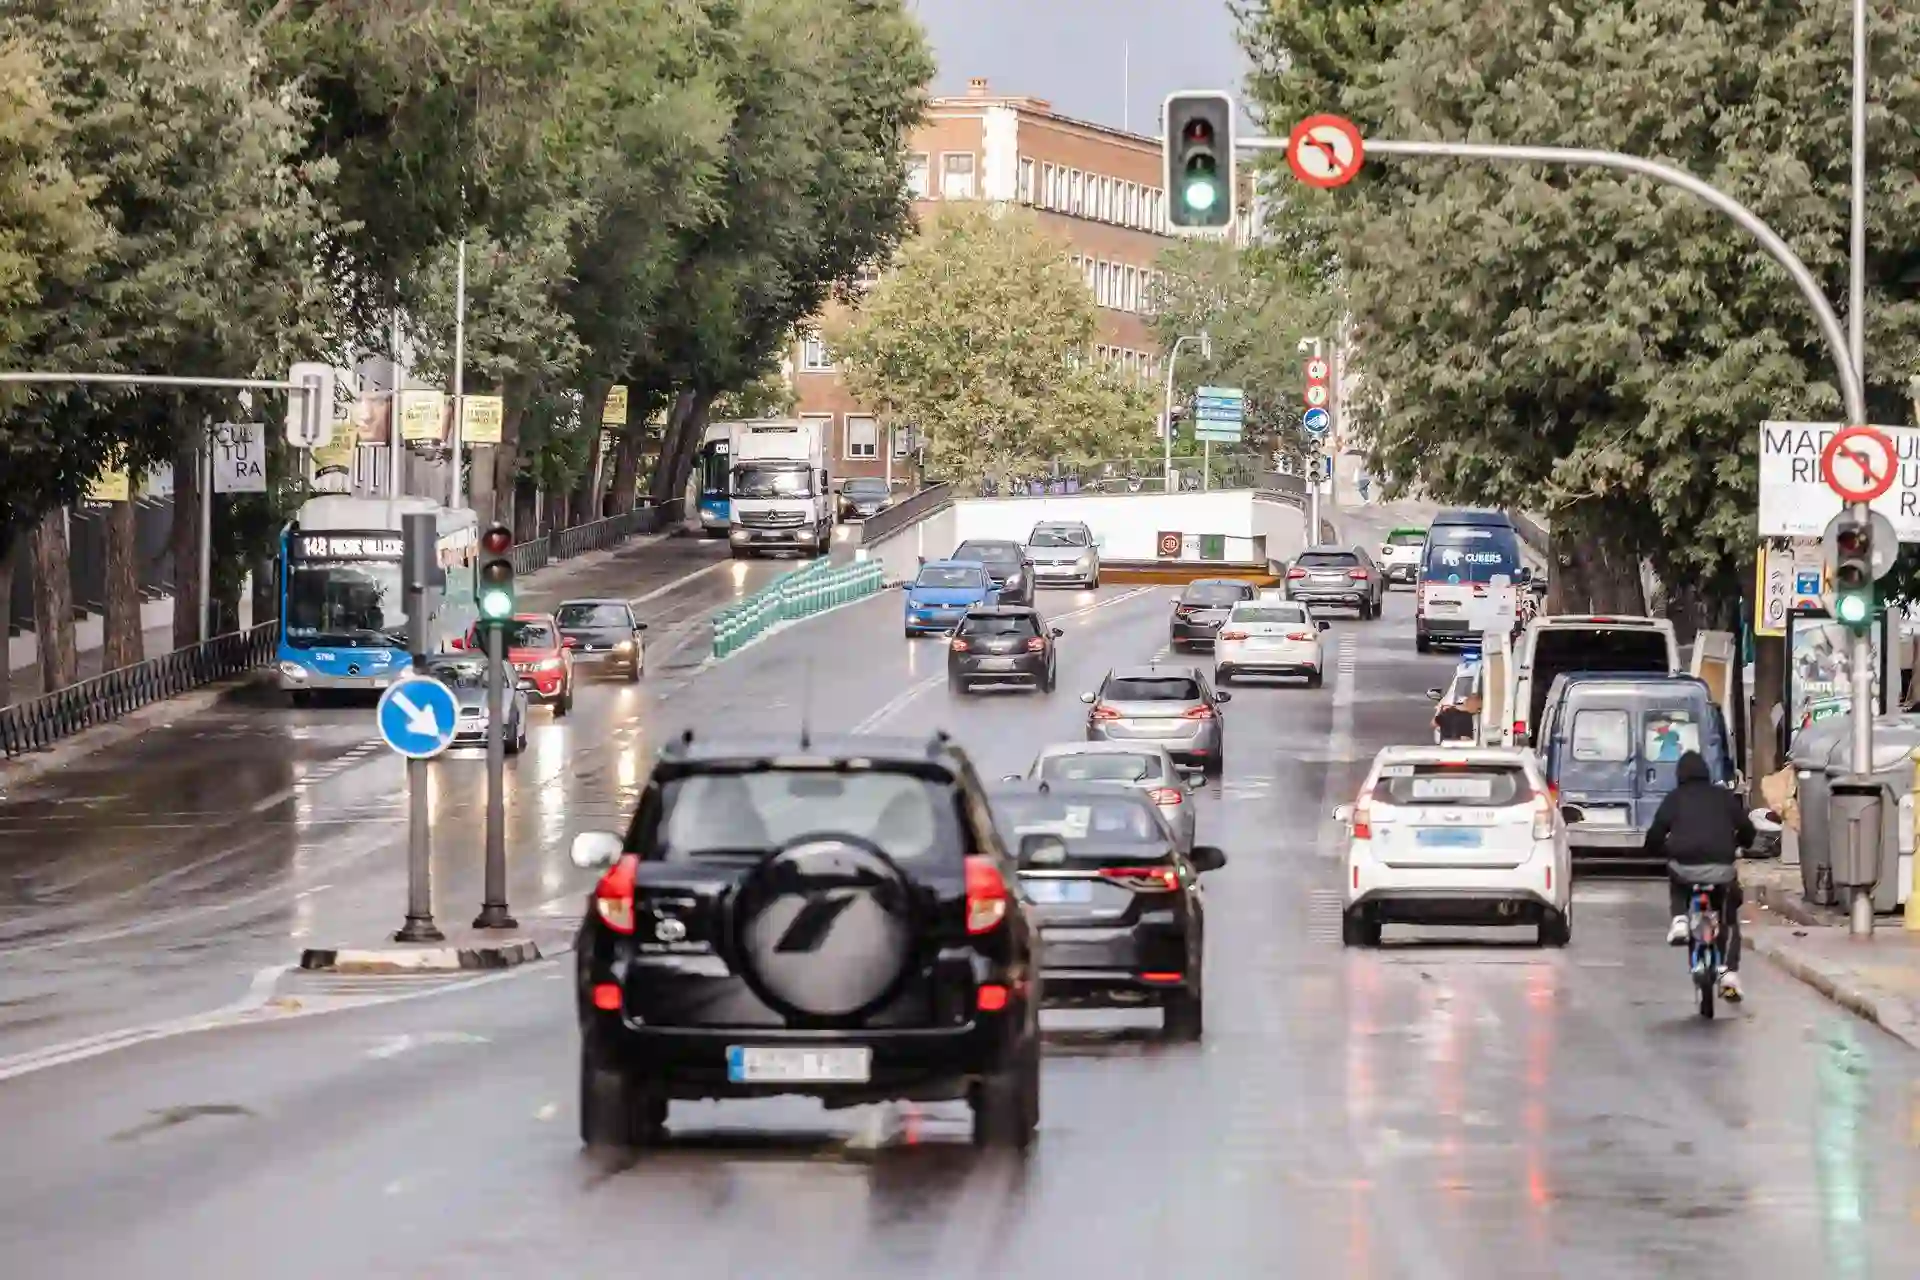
(1198, 131)
(497, 540)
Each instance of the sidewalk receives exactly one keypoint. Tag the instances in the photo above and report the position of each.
(1877, 978)
(26, 676)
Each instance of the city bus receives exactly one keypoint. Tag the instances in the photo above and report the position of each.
(710, 480)
(343, 617)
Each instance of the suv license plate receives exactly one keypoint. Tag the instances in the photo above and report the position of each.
(999, 664)
(749, 1064)
(1057, 892)
(1447, 838)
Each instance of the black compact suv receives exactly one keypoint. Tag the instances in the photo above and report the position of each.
(1002, 644)
(834, 918)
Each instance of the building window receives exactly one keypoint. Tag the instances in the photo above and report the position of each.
(956, 175)
(1101, 286)
(1060, 189)
(1026, 181)
(1047, 177)
(1076, 184)
(814, 356)
(1086, 266)
(1133, 290)
(1138, 205)
(1158, 219)
(863, 437)
(1107, 207)
(917, 177)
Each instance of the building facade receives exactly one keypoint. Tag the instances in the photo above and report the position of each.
(1098, 189)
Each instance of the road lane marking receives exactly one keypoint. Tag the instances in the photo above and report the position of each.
(680, 582)
(1332, 843)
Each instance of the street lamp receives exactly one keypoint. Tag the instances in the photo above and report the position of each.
(1173, 357)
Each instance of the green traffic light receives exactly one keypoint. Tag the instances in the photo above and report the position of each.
(1855, 609)
(1201, 193)
(496, 604)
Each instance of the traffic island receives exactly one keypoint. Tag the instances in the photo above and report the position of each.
(463, 950)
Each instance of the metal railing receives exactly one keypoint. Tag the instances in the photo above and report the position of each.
(597, 535)
(816, 588)
(40, 722)
(906, 512)
(528, 556)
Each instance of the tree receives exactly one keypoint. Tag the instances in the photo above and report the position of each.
(982, 337)
(1255, 305)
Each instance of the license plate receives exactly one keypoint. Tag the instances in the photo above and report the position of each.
(1603, 817)
(1447, 838)
(382, 682)
(1057, 892)
(998, 664)
(750, 1064)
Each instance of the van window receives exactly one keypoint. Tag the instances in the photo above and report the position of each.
(1559, 650)
(1602, 737)
(1470, 553)
(1669, 734)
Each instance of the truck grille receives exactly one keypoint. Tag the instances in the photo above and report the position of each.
(771, 519)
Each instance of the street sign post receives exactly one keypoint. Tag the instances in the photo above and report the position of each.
(1325, 151)
(1859, 463)
(416, 717)
(1795, 499)
(1219, 413)
(310, 405)
(239, 457)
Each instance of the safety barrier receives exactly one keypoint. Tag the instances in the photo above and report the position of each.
(40, 722)
(816, 588)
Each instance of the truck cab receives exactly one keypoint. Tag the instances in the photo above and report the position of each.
(781, 492)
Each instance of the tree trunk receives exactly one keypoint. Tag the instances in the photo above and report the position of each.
(1592, 572)
(526, 513)
(1769, 674)
(186, 543)
(480, 477)
(626, 472)
(6, 603)
(506, 462)
(585, 506)
(53, 603)
(266, 589)
(123, 644)
(672, 441)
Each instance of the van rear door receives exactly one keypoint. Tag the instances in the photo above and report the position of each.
(1555, 646)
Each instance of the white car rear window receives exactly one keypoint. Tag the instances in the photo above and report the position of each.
(1484, 785)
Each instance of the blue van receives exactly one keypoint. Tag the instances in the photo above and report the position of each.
(1465, 551)
(1609, 746)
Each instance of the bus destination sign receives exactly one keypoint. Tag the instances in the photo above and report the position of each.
(348, 546)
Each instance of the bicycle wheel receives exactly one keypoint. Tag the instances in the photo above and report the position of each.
(1703, 981)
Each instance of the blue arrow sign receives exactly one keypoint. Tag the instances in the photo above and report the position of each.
(1316, 421)
(417, 717)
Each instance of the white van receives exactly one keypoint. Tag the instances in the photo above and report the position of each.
(1553, 646)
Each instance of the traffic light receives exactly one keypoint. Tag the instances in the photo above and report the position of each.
(493, 579)
(1199, 162)
(1853, 573)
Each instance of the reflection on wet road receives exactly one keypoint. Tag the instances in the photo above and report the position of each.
(1451, 1105)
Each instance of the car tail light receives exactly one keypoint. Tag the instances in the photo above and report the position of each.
(1299, 635)
(613, 896)
(1162, 977)
(1166, 795)
(990, 997)
(1233, 635)
(1542, 818)
(1362, 821)
(606, 996)
(1143, 879)
(986, 895)
(1197, 713)
(1296, 573)
(1105, 713)
(1358, 575)
(1519, 728)
(959, 645)
(1036, 645)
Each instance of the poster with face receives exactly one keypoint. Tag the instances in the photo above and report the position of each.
(1820, 671)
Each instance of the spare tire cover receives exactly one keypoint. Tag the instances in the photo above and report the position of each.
(825, 928)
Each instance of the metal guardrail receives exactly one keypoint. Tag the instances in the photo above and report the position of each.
(40, 722)
(597, 535)
(816, 588)
(907, 512)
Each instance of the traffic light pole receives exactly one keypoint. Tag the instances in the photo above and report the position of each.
(493, 907)
(1860, 908)
(419, 539)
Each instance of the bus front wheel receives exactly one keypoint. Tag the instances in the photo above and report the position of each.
(301, 698)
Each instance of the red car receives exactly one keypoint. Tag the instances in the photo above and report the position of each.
(535, 652)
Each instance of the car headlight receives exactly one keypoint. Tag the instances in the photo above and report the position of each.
(293, 671)
(737, 533)
(1086, 560)
(547, 664)
(625, 646)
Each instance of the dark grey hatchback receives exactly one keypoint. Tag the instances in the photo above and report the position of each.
(1202, 608)
(1002, 644)
(1119, 906)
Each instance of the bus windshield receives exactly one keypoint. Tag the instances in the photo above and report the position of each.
(1470, 553)
(348, 604)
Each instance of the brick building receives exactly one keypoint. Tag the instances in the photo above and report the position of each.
(1098, 188)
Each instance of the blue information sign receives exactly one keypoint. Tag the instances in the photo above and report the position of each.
(417, 717)
(1316, 421)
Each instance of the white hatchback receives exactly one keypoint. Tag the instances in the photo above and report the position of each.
(1270, 638)
(1456, 836)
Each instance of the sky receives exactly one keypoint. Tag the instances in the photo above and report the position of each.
(1074, 53)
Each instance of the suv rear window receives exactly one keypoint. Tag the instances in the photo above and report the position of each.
(1328, 560)
(1153, 689)
(975, 625)
(1216, 593)
(1420, 785)
(1049, 830)
(988, 552)
(735, 815)
(1406, 538)
(1103, 766)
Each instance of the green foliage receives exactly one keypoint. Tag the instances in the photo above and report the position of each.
(1576, 340)
(769, 396)
(1255, 305)
(981, 336)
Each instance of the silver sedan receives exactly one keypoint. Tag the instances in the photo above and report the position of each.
(1138, 766)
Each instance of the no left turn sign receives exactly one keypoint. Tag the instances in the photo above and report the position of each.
(1325, 151)
(1859, 464)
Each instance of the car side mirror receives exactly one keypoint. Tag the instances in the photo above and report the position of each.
(1206, 857)
(595, 849)
(1433, 695)
(639, 626)
(1343, 813)
(1194, 782)
(1087, 698)
(1325, 625)
(1056, 633)
(1223, 696)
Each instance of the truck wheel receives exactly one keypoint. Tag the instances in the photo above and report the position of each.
(1420, 642)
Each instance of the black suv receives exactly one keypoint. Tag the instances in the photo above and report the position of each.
(826, 917)
(1118, 903)
(1002, 644)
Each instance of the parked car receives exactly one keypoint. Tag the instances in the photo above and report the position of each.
(942, 592)
(1270, 638)
(536, 653)
(1330, 576)
(1202, 609)
(1064, 553)
(1003, 644)
(1173, 707)
(603, 635)
(862, 497)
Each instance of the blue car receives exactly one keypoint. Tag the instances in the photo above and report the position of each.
(944, 591)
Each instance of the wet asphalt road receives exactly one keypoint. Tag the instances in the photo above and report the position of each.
(1465, 1107)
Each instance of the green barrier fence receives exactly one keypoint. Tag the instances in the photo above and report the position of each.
(817, 587)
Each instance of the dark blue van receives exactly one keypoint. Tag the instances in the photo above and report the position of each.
(1609, 744)
(1465, 551)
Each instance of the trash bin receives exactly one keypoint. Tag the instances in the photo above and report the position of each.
(1823, 752)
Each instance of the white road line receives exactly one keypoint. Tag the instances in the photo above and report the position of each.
(680, 582)
(1332, 842)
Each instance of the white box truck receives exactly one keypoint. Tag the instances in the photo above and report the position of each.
(782, 494)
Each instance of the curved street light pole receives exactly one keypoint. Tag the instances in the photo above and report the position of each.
(1166, 420)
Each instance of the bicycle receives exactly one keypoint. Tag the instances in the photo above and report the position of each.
(1706, 956)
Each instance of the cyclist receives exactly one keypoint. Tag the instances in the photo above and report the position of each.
(1702, 824)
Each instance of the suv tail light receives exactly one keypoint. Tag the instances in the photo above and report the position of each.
(1233, 635)
(1296, 573)
(1143, 879)
(613, 896)
(1362, 821)
(1037, 644)
(1542, 818)
(1519, 729)
(959, 645)
(1105, 713)
(1197, 713)
(986, 895)
(1165, 795)
(1358, 575)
